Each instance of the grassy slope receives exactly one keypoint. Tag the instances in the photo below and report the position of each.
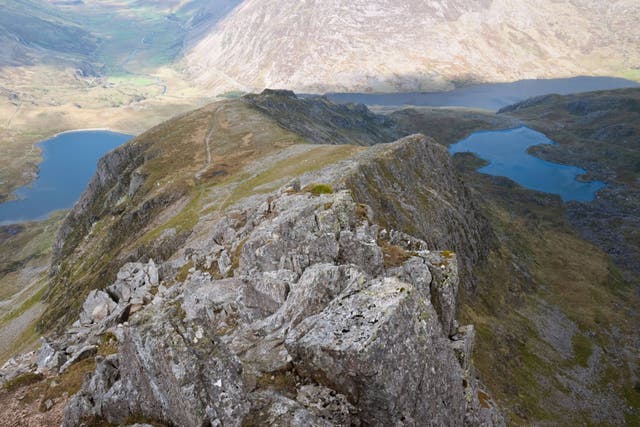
(555, 319)
(123, 49)
(34, 31)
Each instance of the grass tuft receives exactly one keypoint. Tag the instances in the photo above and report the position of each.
(318, 189)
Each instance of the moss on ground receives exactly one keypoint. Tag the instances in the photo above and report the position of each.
(394, 256)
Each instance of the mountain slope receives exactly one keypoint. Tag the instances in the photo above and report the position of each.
(600, 132)
(148, 195)
(33, 32)
(557, 317)
(384, 45)
(279, 296)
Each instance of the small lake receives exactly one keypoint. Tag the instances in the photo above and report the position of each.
(69, 161)
(506, 150)
(491, 96)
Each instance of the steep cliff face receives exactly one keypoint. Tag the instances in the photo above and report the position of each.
(414, 187)
(323, 122)
(110, 183)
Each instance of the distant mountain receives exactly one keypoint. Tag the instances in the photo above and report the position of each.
(32, 31)
(386, 45)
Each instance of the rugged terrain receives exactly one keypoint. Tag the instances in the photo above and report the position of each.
(386, 46)
(565, 307)
(599, 132)
(231, 202)
(268, 256)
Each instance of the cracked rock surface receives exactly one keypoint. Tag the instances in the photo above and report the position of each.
(312, 325)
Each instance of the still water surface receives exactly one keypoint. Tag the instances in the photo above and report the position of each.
(69, 162)
(506, 150)
(487, 96)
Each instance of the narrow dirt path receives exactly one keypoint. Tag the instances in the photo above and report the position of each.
(207, 139)
(15, 113)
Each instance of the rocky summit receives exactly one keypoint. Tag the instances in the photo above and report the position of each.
(283, 260)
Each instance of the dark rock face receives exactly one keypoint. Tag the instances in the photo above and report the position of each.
(313, 328)
(413, 186)
(324, 122)
(109, 184)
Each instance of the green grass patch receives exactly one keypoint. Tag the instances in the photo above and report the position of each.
(318, 189)
(29, 303)
(582, 349)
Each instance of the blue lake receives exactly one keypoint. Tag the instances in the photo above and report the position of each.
(506, 150)
(490, 96)
(69, 162)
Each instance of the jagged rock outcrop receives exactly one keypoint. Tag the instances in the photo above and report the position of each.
(109, 183)
(317, 324)
(302, 304)
(411, 185)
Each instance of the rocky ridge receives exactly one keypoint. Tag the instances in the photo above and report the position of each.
(313, 311)
(323, 318)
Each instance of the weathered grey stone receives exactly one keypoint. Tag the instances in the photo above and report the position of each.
(271, 409)
(444, 288)
(275, 284)
(49, 358)
(152, 272)
(85, 404)
(83, 353)
(318, 286)
(96, 307)
(312, 329)
(380, 343)
(224, 263)
(462, 344)
(215, 301)
(328, 405)
(170, 371)
(362, 251)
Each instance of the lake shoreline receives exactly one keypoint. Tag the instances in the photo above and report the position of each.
(507, 152)
(69, 160)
